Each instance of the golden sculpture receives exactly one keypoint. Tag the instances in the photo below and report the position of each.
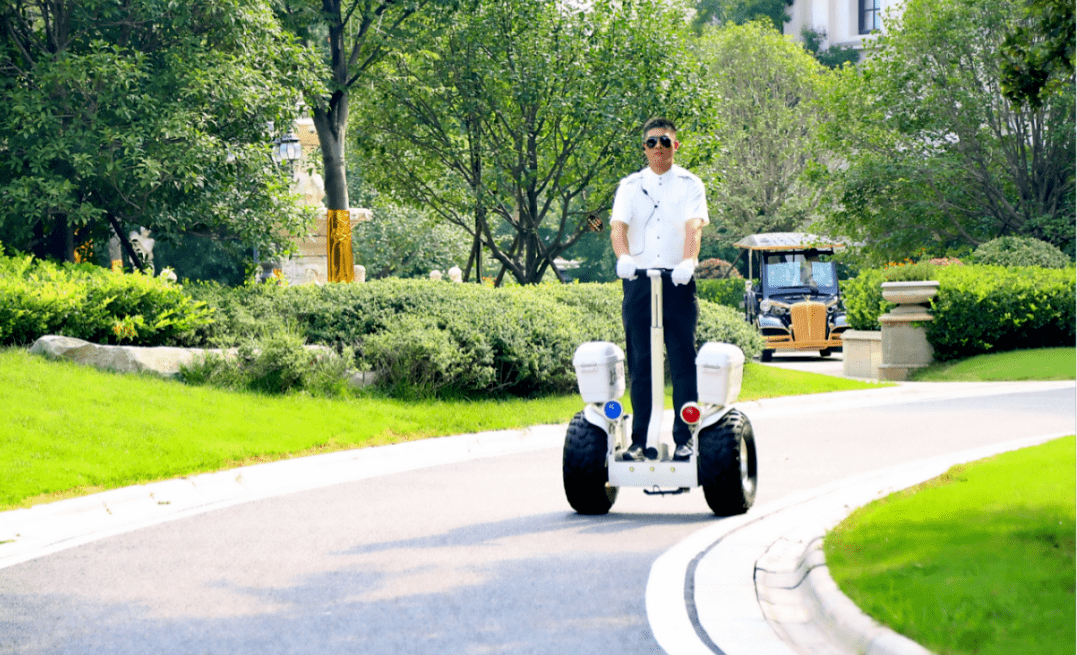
(339, 244)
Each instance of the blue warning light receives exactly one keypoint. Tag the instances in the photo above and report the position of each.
(613, 410)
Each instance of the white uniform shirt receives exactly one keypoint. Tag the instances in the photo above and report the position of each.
(656, 209)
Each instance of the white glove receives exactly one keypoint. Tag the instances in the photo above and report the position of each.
(683, 272)
(626, 267)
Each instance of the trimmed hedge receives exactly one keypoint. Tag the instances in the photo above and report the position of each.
(92, 303)
(728, 291)
(425, 338)
(1020, 251)
(428, 338)
(981, 309)
(863, 299)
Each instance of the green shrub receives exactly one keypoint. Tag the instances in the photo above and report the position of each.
(436, 338)
(1020, 251)
(983, 309)
(276, 364)
(728, 292)
(980, 308)
(725, 324)
(92, 303)
(863, 299)
(918, 272)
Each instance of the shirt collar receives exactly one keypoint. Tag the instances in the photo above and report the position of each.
(650, 175)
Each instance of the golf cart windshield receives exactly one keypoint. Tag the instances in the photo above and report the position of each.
(798, 272)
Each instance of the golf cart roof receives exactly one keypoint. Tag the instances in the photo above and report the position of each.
(788, 241)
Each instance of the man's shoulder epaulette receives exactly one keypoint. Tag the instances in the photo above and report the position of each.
(685, 173)
(634, 178)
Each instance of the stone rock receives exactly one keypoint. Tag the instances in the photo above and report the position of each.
(162, 361)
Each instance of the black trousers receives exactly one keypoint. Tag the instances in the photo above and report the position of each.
(680, 313)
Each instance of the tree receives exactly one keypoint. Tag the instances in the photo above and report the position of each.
(738, 12)
(130, 114)
(1038, 53)
(834, 56)
(765, 88)
(516, 123)
(354, 35)
(935, 154)
(405, 242)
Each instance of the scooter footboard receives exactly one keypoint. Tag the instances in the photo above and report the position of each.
(654, 473)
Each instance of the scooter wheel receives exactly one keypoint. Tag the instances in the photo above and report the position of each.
(727, 464)
(584, 468)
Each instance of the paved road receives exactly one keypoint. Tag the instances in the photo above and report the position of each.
(477, 556)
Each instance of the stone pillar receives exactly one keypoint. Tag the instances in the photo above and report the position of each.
(862, 353)
(904, 333)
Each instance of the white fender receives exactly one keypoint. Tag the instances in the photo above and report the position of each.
(595, 416)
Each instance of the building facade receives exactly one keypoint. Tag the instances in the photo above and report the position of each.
(846, 23)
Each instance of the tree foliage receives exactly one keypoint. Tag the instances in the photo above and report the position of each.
(352, 37)
(147, 113)
(515, 123)
(738, 12)
(765, 89)
(934, 153)
(834, 56)
(1038, 54)
(402, 241)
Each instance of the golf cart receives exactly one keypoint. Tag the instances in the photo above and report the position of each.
(797, 304)
(723, 462)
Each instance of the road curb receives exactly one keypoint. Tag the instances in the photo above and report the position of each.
(843, 620)
(775, 558)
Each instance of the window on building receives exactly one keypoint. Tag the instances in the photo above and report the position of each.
(870, 20)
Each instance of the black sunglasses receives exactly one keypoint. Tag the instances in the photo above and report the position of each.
(652, 141)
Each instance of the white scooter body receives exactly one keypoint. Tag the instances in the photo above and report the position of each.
(719, 368)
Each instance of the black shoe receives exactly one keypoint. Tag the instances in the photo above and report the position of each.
(634, 453)
(683, 453)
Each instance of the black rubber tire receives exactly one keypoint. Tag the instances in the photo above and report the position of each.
(728, 486)
(825, 352)
(583, 467)
(766, 355)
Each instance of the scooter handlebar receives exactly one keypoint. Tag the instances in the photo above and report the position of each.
(654, 272)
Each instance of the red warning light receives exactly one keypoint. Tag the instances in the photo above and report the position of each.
(690, 414)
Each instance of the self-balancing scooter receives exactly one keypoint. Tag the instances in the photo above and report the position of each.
(723, 459)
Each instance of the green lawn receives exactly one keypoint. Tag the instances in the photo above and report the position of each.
(68, 430)
(980, 560)
(1016, 365)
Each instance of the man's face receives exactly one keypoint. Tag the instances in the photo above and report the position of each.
(660, 157)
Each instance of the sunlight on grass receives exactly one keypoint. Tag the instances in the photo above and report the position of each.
(1016, 365)
(69, 430)
(980, 560)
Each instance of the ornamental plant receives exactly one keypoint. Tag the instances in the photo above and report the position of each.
(84, 301)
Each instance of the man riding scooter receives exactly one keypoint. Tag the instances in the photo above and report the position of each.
(657, 223)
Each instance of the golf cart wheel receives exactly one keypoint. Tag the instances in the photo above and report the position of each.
(825, 352)
(766, 355)
(727, 464)
(584, 468)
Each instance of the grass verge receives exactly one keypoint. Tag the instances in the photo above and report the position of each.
(979, 560)
(68, 430)
(1016, 365)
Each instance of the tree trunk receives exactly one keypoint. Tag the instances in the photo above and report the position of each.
(58, 242)
(136, 261)
(332, 128)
